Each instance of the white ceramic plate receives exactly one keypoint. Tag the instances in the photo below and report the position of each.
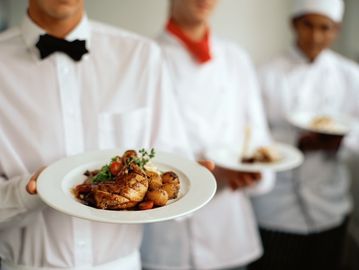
(342, 126)
(228, 158)
(55, 183)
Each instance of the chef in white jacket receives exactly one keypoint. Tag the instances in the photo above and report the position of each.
(82, 86)
(303, 219)
(218, 96)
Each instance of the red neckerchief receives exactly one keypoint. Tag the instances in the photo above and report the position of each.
(199, 49)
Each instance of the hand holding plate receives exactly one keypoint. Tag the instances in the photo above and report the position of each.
(236, 179)
(31, 185)
(314, 141)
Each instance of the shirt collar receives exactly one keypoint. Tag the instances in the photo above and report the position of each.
(31, 32)
(200, 50)
(298, 56)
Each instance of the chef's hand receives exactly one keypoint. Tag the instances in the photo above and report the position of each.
(312, 141)
(209, 164)
(236, 179)
(31, 185)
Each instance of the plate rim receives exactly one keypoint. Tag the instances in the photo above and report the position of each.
(174, 210)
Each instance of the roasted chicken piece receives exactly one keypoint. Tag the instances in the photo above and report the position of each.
(126, 192)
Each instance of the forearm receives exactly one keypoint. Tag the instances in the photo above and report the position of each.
(15, 202)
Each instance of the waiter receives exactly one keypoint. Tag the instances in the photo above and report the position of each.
(304, 218)
(69, 85)
(217, 92)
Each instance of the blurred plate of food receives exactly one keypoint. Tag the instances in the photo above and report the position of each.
(276, 157)
(129, 187)
(322, 123)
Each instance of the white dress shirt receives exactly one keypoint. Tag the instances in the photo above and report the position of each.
(218, 100)
(117, 96)
(313, 197)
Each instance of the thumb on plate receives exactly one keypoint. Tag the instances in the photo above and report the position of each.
(31, 185)
(209, 164)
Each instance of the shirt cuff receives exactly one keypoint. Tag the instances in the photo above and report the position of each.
(29, 201)
(265, 185)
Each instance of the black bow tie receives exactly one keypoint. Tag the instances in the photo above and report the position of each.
(48, 44)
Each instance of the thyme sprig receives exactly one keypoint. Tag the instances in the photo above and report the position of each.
(144, 157)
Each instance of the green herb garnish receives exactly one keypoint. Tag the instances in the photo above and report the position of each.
(103, 175)
(146, 157)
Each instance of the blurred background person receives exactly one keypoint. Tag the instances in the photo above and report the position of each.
(3, 15)
(217, 92)
(70, 85)
(304, 219)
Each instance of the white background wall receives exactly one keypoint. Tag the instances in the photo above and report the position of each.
(258, 25)
(349, 40)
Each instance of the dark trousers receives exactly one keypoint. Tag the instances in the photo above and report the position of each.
(316, 251)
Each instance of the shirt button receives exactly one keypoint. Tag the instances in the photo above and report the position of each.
(85, 57)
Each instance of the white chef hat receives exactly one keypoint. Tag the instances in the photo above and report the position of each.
(333, 9)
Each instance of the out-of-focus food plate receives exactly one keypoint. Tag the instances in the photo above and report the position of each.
(55, 184)
(337, 124)
(229, 158)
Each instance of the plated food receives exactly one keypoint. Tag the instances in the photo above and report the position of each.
(128, 182)
(331, 124)
(263, 154)
(56, 184)
(323, 123)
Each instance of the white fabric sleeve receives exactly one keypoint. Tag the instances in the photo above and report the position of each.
(15, 201)
(265, 185)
